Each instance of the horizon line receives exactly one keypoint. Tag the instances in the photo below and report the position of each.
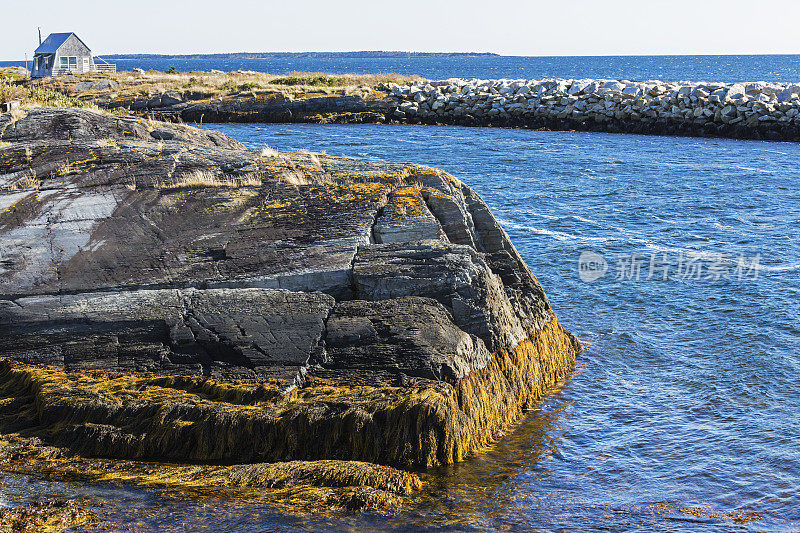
(496, 54)
(408, 52)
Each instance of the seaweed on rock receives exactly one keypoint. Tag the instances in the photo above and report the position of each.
(358, 315)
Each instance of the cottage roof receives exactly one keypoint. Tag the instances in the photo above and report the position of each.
(54, 42)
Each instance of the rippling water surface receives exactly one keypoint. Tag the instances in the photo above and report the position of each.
(685, 412)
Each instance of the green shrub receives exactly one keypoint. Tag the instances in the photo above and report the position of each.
(242, 87)
(49, 97)
(326, 81)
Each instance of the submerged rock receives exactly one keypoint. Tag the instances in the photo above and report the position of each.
(168, 295)
(48, 515)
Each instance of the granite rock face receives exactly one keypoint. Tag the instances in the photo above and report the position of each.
(137, 247)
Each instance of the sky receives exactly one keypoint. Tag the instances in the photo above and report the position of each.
(530, 28)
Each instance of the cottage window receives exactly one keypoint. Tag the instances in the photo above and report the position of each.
(68, 62)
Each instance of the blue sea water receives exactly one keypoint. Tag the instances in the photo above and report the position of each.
(690, 393)
(719, 68)
(684, 413)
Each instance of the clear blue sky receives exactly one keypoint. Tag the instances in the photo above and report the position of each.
(577, 27)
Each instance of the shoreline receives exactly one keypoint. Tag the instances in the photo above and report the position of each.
(756, 110)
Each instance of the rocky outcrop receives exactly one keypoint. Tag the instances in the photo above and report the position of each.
(744, 110)
(166, 294)
(275, 107)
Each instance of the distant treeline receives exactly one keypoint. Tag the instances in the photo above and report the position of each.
(279, 55)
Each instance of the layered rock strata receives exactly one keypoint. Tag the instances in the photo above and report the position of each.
(166, 294)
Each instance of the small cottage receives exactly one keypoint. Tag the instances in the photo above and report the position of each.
(62, 53)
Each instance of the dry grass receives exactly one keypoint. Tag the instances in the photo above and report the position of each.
(27, 181)
(58, 92)
(203, 178)
(340, 80)
(297, 178)
(294, 178)
(267, 152)
(207, 85)
(313, 158)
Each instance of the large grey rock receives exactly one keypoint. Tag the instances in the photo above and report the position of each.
(171, 98)
(143, 247)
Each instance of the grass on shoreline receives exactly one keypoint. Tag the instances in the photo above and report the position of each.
(63, 91)
(14, 86)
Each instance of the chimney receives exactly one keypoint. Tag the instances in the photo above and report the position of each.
(40, 36)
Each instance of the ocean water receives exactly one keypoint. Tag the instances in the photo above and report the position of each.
(689, 396)
(777, 68)
(683, 415)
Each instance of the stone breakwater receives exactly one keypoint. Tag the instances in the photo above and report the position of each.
(742, 110)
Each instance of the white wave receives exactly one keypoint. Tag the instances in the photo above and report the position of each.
(542, 215)
(751, 169)
(588, 221)
(780, 268)
(689, 253)
(770, 151)
(557, 235)
(667, 221)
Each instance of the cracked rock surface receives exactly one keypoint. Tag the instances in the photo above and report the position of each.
(129, 246)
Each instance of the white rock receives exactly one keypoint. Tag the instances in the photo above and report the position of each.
(736, 91)
(632, 91)
(612, 87)
(578, 87)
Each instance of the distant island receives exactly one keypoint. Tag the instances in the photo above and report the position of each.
(280, 55)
